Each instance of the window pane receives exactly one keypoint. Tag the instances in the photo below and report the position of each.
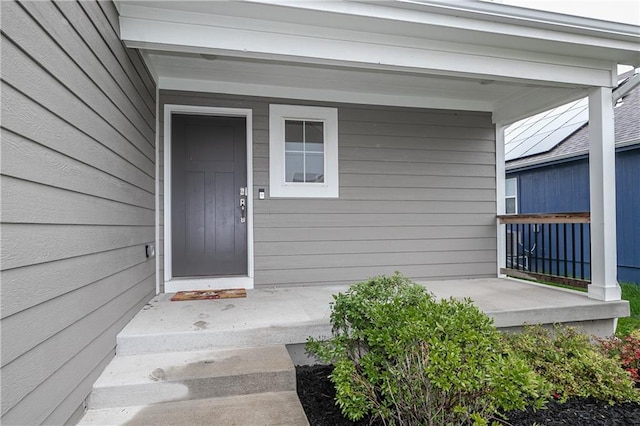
(510, 205)
(293, 131)
(510, 187)
(314, 147)
(315, 167)
(294, 171)
(314, 131)
(294, 146)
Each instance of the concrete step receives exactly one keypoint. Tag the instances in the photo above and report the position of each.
(272, 408)
(140, 340)
(138, 380)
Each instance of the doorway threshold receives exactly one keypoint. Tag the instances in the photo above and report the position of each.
(207, 283)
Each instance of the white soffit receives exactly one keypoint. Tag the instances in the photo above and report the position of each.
(263, 78)
(397, 53)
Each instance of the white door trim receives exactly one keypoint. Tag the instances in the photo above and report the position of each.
(173, 284)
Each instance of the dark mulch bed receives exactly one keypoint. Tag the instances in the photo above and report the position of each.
(317, 396)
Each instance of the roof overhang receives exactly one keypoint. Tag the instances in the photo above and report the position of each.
(535, 163)
(509, 61)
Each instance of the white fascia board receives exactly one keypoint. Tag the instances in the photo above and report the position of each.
(496, 12)
(409, 40)
(499, 18)
(249, 43)
(324, 95)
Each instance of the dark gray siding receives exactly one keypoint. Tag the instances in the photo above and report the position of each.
(417, 194)
(78, 200)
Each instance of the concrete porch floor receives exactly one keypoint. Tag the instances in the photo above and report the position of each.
(289, 315)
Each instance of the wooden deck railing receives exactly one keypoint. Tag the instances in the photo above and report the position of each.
(554, 247)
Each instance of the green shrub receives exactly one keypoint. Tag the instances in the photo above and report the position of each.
(626, 351)
(627, 325)
(407, 358)
(572, 364)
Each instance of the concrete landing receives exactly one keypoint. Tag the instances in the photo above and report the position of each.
(274, 408)
(290, 315)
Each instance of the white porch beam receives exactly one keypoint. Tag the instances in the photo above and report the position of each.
(602, 177)
(318, 94)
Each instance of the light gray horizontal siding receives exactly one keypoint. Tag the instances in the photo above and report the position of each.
(349, 275)
(78, 202)
(30, 122)
(417, 194)
(368, 233)
(56, 242)
(422, 246)
(18, 67)
(50, 167)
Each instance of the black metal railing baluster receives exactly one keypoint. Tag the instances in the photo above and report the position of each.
(544, 250)
(573, 250)
(506, 243)
(564, 232)
(582, 251)
(557, 249)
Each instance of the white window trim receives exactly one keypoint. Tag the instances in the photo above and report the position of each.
(514, 196)
(278, 187)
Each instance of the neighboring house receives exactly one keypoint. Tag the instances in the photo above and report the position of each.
(351, 139)
(555, 178)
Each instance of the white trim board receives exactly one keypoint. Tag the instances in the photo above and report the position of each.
(217, 283)
(501, 248)
(278, 186)
(324, 95)
(172, 284)
(157, 189)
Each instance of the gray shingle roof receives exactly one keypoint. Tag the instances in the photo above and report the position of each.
(627, 130)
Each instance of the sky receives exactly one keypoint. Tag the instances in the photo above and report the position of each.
(626, 11)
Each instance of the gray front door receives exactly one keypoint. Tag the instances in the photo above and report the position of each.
(208, 170)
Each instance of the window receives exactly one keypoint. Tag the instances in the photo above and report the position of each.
(303, 151)
(511, 196)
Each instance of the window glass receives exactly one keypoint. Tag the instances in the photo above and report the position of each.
(294, 166)
(314, 167)
(304, 147)
(511, 195)
(293, 131)
(510, 189)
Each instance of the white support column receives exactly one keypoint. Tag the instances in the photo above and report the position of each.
(500, 203)
(602, 177)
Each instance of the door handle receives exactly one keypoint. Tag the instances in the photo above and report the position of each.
(243, 210)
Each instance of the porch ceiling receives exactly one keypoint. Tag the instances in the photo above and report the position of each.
(473, 56)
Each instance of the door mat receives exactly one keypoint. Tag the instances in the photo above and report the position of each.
(232, 293)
